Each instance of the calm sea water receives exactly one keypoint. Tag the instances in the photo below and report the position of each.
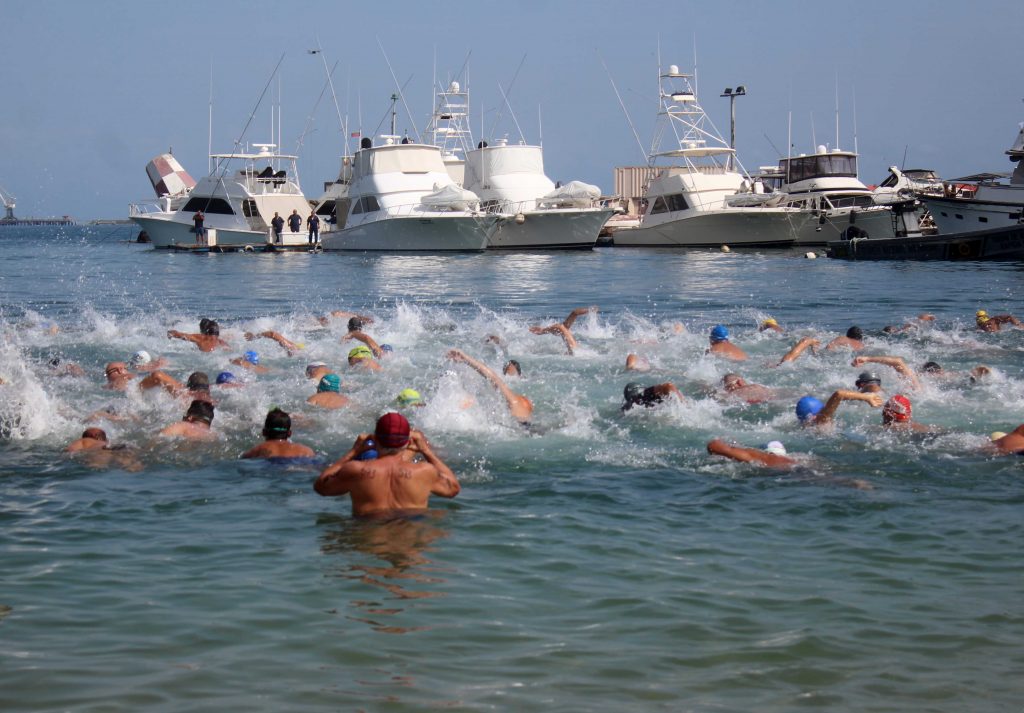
(600, 562)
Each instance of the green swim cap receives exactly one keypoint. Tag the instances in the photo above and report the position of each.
(360, 352)
(409, 397)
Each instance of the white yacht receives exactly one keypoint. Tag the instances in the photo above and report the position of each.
(402, 199)
(510, 181)
(535, 214)
(687, 202)
(238, 198)
(837, 203)
(982, 201)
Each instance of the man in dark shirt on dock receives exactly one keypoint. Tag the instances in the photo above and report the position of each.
(199, 230)
(277, 223)
(295, 221)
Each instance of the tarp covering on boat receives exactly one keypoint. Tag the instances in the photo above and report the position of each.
(450, 197)
(574, 193)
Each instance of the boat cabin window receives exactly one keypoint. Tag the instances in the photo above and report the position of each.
(208, 205)
(249, 209)
(803, 168)
(672, 203)
(366, 204)
(852, 201)
(326, 208)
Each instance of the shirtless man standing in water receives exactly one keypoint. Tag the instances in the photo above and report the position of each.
(392, 481)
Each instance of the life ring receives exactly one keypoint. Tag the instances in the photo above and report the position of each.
(248, 249)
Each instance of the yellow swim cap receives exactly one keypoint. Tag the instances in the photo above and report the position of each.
(996, 435)
(981, 313)
(409, 397)
(770, 322)
(360, 352)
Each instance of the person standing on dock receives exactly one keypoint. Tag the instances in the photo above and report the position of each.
(277, 223)
(313, 224)
(198, 219)
(295, 221)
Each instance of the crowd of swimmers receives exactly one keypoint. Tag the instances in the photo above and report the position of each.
(394, 467)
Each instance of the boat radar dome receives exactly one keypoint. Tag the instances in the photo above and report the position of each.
(822, 149)
(673, 69)
(453, 88)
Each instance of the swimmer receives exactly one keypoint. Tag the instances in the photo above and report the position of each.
(736, 387)
(637, 395)
(361, 357)
(721, 346)
(773, 455)
(289, 346)
(993, 323)
(328, 393)
(208, 338)
(118, 376)
(799, 348)
(409, 397)
(868, 382)
(934, 370)
(564, 328)
(316, 370)
(1010, 443)
(635, 362)
(853, 340)
(897, 415)
(512, 368)
(195, 425)
(893, 329)
(812, 412)
(393, 481)
(519, 406)
(250, 361)
(141, 361)
(896, 363)
(771, 324)
(277, 429)
(61, 367)
(91, 439)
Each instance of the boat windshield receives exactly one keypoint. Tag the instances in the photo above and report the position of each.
(802, 168)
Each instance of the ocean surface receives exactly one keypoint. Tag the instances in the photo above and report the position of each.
(599, 561)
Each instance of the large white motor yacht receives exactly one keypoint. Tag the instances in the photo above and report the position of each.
(238, 198)
(982, 201)
(837, 203)
(687, 203)
(402, 199)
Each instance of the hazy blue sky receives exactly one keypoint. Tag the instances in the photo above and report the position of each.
(93, 90)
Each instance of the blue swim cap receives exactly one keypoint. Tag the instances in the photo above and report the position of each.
(226, 377)
(719, 334)
(252, 357)
(386, 348)
(808, 406)
(369, 454)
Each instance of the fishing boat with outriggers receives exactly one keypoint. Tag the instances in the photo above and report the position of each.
(696, 198)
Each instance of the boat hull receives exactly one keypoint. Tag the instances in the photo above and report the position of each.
(1005, 243)
(876, 223)
(416, 234)
(961, 215)
(166, 233)
(742, 228)
(555, 229)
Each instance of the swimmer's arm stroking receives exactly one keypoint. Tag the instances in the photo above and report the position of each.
(896, 363)
(367, 340)
(799, 348)
(446, 485)
(578, 312)
(838, 397)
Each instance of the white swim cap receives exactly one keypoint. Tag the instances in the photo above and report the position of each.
(140, 357)
(775, 448)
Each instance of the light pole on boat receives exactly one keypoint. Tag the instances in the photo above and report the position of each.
(732, 94)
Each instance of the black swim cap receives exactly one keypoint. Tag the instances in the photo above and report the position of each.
(278, 425)
(855, 333)
(212, 328)
(931, 367)
(198, 381)
(355, 324)
(200, 411)
(633, 392)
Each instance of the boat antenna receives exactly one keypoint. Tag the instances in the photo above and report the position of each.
(399, 96)
(540, 127)
(904, 164)
(814, 136)
(309, 119)
(330, 81)
(855, 150)
(209, 127)
(497, 117)
(511, 113)
(623, 105)
(772, 143)
(837, 110)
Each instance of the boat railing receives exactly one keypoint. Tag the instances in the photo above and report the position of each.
(150, 206)
(409, 210)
